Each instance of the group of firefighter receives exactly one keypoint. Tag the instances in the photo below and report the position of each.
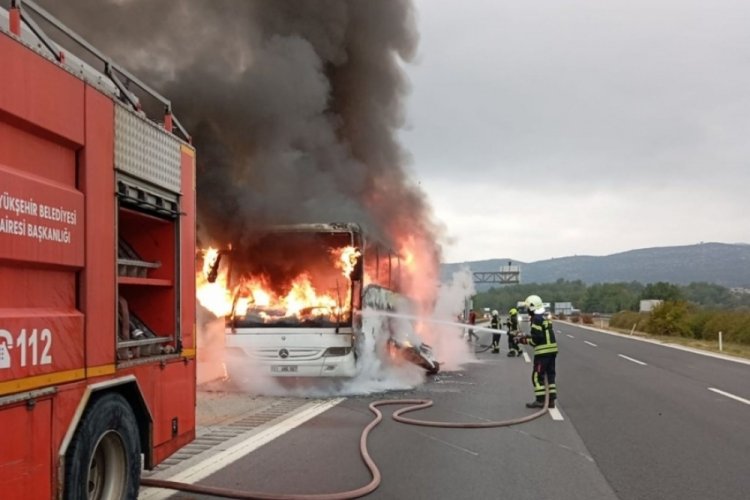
(541, 338)
(514, 348)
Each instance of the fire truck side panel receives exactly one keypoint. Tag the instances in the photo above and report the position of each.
(46, 348)
(25, 456)
(41, 252)
(59, 281)
(58, 287)
(26, 93)
(40, 156)
(41, 222)
(169, 401)
(97, 179)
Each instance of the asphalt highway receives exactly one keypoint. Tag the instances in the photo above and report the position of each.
(651, 420)
(636, 420)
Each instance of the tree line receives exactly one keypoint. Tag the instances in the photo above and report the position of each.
(683, 319)
(697, 310)
(609, 298)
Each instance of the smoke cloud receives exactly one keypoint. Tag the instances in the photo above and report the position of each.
(293, 106)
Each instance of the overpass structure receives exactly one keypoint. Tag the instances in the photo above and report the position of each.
(507, 275)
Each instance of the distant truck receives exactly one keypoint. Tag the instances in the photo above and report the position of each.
(649, 305)
(563, 308)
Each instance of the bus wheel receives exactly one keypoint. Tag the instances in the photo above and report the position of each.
(103, 461)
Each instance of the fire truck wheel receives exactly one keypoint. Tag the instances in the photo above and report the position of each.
(103, 461)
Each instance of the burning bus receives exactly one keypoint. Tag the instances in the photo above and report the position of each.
(292, 299)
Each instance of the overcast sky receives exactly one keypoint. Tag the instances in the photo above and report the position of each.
(549, 128)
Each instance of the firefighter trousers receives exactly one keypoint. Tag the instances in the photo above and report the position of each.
(495, 342)
(544, 366)
(513, 342)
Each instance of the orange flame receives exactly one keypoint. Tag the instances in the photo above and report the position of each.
(419, 270)
(209, 260)
(257, 295)
(346, 259)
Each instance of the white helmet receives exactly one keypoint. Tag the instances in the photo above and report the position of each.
(533, 302)
(495, 313)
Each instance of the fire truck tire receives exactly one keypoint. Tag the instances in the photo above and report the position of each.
(103, 461)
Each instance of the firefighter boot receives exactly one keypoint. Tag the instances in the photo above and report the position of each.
(535, 404)
(511, 354)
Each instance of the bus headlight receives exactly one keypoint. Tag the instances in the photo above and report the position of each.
(338, 351)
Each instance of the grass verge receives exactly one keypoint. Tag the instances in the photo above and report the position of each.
(732, 349)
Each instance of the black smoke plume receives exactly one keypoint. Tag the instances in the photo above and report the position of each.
(294, 106)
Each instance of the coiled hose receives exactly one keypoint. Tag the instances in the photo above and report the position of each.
(416, 404)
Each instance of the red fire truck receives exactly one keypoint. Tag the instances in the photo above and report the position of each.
(97, 278)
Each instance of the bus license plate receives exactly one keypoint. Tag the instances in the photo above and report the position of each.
(284, 369)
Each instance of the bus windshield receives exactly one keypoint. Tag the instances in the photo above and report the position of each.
(294, 279)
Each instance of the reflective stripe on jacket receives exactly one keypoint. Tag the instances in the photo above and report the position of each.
(513, 318)
(542, 336)
(495, 322)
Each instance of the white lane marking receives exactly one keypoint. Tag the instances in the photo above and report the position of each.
(631, 359)
(222, 459)
(589, 343)
(729, 395)
(569, 335)
(526, 357)
(710, 354)
(555, 413)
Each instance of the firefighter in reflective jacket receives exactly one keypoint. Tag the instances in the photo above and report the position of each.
(514, 349)
(545, 352)
(495, 325)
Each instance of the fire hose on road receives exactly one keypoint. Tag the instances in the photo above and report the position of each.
(415, 405)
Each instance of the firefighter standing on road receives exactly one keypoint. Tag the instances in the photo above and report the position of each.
(495, 325)
(514, 349)
(545, 352)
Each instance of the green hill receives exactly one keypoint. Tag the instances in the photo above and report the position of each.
(720, 263)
